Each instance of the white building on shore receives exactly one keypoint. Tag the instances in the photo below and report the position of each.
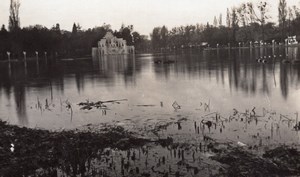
(111, 45)
(291, 40)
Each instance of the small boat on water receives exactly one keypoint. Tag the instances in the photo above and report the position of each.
(164, 61)
(291, 61)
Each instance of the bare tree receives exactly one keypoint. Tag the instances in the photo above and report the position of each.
(282, 15)
(14, 19)
(215, 22)
(164, 36)
(291, 18)
(242, 14)
(262, 8)
(234, 23)
(297, 11)
(251, 12)
(228, 19)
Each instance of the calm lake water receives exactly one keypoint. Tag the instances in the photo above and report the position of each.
(223, 79)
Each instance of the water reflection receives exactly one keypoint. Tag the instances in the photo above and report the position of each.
(122, 76)
(284, 80)
(291, 53)
(242, 70)
(79, 82)
(20, 100)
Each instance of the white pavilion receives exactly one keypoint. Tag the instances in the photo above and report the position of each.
(111, 45)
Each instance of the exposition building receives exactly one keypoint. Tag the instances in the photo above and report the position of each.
(111, 45)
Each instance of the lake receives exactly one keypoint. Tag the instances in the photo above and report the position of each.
(204, 84)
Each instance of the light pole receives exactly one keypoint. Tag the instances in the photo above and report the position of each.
(46, 57)
(8, 55)
(25, 59)
(37, 61)
(9, 66)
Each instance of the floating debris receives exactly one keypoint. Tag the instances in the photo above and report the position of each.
(241, 144)
(176, 106)
(99, 104)
(161, 104)
(146, 105)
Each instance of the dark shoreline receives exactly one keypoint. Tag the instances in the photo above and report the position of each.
(72, 153)
(67, 150)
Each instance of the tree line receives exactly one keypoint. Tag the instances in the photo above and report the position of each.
(58, 42)
(245, 23)
(63, 43)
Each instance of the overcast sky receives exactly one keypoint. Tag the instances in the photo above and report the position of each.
(144, 15)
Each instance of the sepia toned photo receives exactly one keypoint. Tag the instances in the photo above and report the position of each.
(149, 88)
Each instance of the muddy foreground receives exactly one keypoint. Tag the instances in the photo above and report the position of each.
(112, 150)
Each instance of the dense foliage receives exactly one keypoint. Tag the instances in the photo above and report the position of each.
(245, 23)
(55, 41)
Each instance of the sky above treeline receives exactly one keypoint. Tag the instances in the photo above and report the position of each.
(144, 15)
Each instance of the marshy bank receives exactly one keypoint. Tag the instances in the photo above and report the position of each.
(112, 150)
(33, 152)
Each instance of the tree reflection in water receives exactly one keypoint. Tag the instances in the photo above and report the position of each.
(236, 70)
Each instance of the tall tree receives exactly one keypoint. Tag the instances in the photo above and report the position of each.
(291, 19)
(74, 30)
(242, 12)
(164, 36)
(234, 23)
(251, 12)
(220, 20)
(282, 15)
(263, 7)
(155, 38)
(140, 41)
(215, 22)
(3, 42)
(126, 35)
(228, 19)
(297, 11)
(56, 29)
(136, 37)
(14, 19)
